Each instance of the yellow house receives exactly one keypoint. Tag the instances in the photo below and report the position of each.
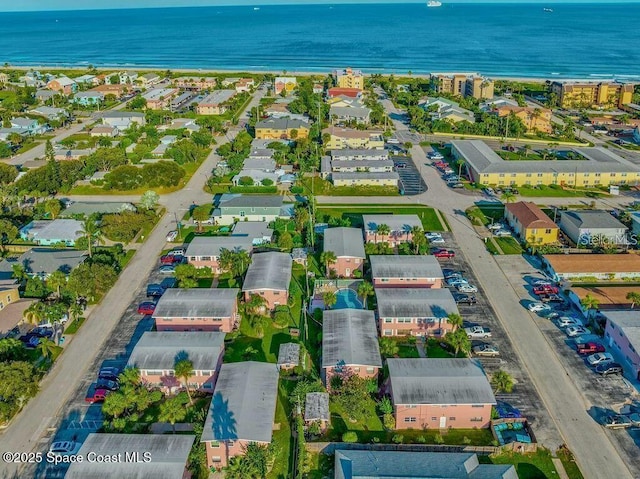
(463, 85)
(349, 78)
(530, 223)
(365, 179)
(286, 84)
(281, 129)
(8, 295)
(347, 138)
(592, 94)
(597, 166)
(535, 119)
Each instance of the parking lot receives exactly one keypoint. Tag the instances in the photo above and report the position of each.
(602, 395)
(411, 182)
(80, 417)
(524, 396)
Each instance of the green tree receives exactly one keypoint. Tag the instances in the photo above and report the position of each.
(53, 207)
(459, 341)
(8, 173)
(91, 231)
(351, 394)
(634, 297)
(184, 370)
(285, 241)
(201, 214)
(91, 280)
(418, 240)
(502, 382)
(56, 281)
(382, 230)
(234, 262)
(138, 103)
(388, 347)
(329, 298)
(18, 384)
(34, 314)
(8, 233)
(49, 152)
(589, 303)
(365, 290)
(172, 411)
(149, 200)
(186, 275)
(508, 197)
(47, 348)
(455, 320)
(328, 258)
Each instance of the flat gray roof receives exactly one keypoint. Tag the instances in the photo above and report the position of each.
(369, 175)
(89, 207)
(259, 164)
(439, 381)
(316, 407)
(271, 270)
(289, 353)
(629, 323)
(162, 349)
(217, 97)
(43, 261)
(197, 303)
(60, 229)
(483, 159)
(335, 164)
(248, 201)
(592, 219)
(253, 229)
(169, 454)
(282, 123)
(344, 242)
(244, 403)
(121, 114)
(351, 152)
(350, 337)
(350, 111)
(397, 223)
(377, 464)
(415, 302)
(213, 245)
(405, 266)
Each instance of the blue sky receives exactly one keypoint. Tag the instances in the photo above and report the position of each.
(39, 5)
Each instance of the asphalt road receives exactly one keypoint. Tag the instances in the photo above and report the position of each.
(33, 428)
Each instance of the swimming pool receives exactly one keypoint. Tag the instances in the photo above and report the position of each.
(347, 299)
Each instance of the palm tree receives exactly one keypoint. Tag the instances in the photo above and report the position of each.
(383, 230)
(388, 347)
(328, 258)
(34, 314)
(589, 303)
(365, 289)
(502, 382)
(508, 197)
(183, 370)
(56, 281)
(173, 411)
(91, 231)
(329, 299)
(75, 310)
(459, 341)
(634, 297)
(455, 320)
(47, 348)
(19, 272)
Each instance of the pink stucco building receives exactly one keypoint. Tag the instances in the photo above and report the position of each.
(348, 246)
(400, 227)
(269, 276)
(406, 271)
(204, 251)
(156, 354)
(242, 410)
(349, 344)
(440, 393)
(197, 309)
(622, 335)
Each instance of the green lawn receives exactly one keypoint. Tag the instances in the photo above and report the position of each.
(557, 192)
(483, 214)
(282, 442)
(518, 155)
(321, 465)
(74, 326)
(531, 466)
(491, 247)
(428, 216)
(509, 245)
(318, 186)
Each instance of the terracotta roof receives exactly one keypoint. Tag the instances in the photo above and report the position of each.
(608, 295)
(594, 263)
(350, 92)
(530, 215)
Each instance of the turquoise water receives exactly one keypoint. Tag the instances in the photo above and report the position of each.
(347, 299)
(496, 39)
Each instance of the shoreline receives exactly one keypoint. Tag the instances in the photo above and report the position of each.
(302, 72)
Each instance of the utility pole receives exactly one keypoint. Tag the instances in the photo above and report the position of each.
(175, 215)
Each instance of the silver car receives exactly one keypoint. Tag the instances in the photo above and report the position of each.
(486, 350)
(599, 358)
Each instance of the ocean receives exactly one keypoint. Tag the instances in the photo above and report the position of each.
(520, 40)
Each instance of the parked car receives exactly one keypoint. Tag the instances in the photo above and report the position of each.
(551, 298)
(635, 419)
(467, 288)
(475, 332)
(590, 348)
(95, 395)
(451, 273)
(617, 421)
(176, 252)
(489, 191)
(456, 281)
(433, 236)
(609, 368)
(155, 290)
(147, 307)
(172, 235)
(107, 384)
(171, 259)
(541, 282)
(548, 289)
(64, 448)
(495, 226)
(167, 269)
(167, 283)
(434, 155)
(456, 185)
(564, 321)
(502, 232)
(486, 350)
(599, 358)
(538, 307)
(573, 331)
(393, 141)
(443, 253)
(109, 373)
(464, 299)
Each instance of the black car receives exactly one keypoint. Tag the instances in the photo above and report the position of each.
(107, 384)
(609, 368)
(551, 298)
(155, 290)
(461, 298)
(109, 374)
(39, 332)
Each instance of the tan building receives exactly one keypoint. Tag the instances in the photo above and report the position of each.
(349, 78)
(159, 98)
(347, 138)
(215, 103)
(535, 119)
(269, 276)
(281, 129)
(592, 94)
(195, 83)
(530, 223)
(588, 268)
(205, 251)
(463, 85)
(4, 78)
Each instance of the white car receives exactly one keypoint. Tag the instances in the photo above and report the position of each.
(455, 282)
(573, 331)
(538, 307)
(495, 226)
(565, 321)
(467, 288)
(393, 141)
(486, 350)
(541, 282)
(599, 358)
(64, 448)
(172, 235)
(502, 232)
(436, 156)
(432, 236)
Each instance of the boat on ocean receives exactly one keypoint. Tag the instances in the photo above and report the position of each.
(256, 8)
(434, 3)
(550, 10)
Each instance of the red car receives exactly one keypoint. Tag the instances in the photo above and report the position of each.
(171, 259)
(146, 308)
(546, 289)
(96, 395)
(443, 253)
(590, 348)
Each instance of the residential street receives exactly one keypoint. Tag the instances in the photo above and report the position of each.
(52, 404)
